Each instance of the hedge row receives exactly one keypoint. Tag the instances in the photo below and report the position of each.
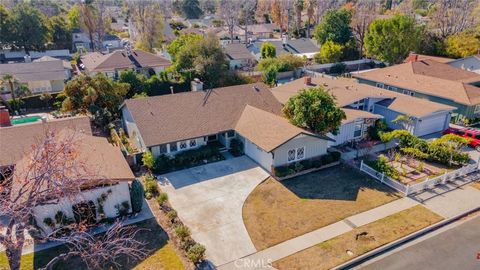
(316, 162)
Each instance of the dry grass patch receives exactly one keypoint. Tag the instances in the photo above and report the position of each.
(345, 247)
(476, 184)
(278, 211)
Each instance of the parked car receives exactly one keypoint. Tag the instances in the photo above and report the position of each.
(470, 133)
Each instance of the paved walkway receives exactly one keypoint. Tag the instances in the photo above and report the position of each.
(209, 200)
(259, 259)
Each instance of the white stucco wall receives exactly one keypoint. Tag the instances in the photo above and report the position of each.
(200, 141)
(131, 129)
(120, 193)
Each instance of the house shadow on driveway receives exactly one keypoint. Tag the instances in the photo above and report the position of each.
(198, 174)
(335, 183)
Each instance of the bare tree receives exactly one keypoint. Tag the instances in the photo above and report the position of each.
(52, 171)
(363, 15)
(229, 10)
(148, 22)
(453, 16)
(299, 7)
(247, 16)
(310, 6)
(323, 6)
(100, 24)
(280, 14)
(97, 251)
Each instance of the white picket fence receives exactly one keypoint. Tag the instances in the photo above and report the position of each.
(428, 183)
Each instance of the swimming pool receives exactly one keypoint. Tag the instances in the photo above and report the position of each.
(24, 120)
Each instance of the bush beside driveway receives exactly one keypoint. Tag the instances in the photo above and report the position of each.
(277, 211)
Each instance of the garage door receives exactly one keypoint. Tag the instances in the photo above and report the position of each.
(431, 124)
(258, 155)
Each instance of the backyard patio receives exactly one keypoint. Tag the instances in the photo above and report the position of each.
(277, 211)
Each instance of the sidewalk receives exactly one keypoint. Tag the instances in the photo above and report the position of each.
(310, 239)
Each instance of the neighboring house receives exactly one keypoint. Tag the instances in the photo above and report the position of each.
(299, 47)
(470, 63)
(81, 40)
(254, 32)
(429, 79)
(170, 124)
(46, 74)
(239, 56)
(363, 104)
(104, 161)
(420, 57)
(112, 64)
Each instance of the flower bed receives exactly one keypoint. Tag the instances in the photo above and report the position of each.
(306, 165)
(187, 159)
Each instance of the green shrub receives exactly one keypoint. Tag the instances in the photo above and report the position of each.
(136, 196)
(151, 186)
(317, 162)
(49, 222)
(182, 232)
(162, 164)
(123, 208)
(335, 156)
(326, 159)
(148, 195)
(236, 147)
(187, 159)
(196, 253)
(383, 166)
(338, 68)
(307, 164)
(172, 215)
(162, 198)
(282, 171)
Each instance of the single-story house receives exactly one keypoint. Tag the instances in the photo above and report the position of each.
(46, 74)
(170, 124)
(470, 63)
(299, 47)
(432, 80)
(81, 40)
(112, 64)
(239, 56)
(99, 157)
(363, 104)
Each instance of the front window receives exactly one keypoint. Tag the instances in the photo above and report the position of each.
(173, 147)
(477, 109)
(231, 134)
(358, 128)
(193, 143)
(296, 154)
(163, 148)
(300, 153)
(291, 155)
(380, 85)
(183, 145)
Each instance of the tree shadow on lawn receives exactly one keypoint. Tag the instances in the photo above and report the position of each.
(336, 183)
(151, 233)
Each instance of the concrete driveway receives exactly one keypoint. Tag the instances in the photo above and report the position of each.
(209, 200)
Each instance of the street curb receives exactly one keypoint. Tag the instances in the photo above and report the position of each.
(388, 247)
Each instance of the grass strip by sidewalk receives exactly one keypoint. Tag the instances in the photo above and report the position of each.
(345, 247)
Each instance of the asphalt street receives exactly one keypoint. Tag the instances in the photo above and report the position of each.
(456, 248)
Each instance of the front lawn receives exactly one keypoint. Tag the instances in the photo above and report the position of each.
(347, 246)
(163, 256)
(278, 211)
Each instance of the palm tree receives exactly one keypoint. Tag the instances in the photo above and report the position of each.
(17, 90)
(9, 81)
(310, 12)
(299, 5)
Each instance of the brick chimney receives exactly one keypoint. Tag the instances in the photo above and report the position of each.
(307, 80)
(412, 57)
(4, 117)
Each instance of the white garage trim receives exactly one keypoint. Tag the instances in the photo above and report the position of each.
(264, 159)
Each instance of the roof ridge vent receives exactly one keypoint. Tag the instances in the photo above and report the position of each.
(255, 88)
